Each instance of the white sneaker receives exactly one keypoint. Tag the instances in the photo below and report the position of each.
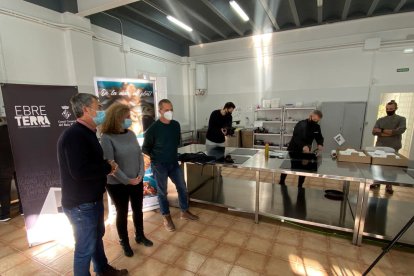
(5, 219)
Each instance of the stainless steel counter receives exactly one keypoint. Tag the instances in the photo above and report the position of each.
(382, 218)
(276, 201)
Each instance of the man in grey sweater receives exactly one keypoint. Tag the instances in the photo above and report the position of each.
(389, 130)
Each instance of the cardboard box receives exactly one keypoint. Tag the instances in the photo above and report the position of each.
(233, 141)
(354, 157)
(247, 138)
(391, 161)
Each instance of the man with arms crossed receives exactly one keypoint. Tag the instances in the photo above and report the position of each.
(389, 130)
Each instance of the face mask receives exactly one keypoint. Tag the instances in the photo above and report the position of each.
(390, 113)
(99, 118)
(127, 123)
(168, 115)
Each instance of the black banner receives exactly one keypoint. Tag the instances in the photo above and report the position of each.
(36, 116)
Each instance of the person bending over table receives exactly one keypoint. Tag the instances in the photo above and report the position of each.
(304, 133)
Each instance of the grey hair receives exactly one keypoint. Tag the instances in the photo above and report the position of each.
(81, 100)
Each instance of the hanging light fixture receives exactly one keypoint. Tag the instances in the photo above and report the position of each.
(239, 11)
(179, 23)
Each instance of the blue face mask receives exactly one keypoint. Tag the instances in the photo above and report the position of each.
(127, 123)
(99, 118)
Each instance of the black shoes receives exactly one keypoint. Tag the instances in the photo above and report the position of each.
(127, 248)
(112, 271)
(141, 239)
(388, 189)
(374, 186)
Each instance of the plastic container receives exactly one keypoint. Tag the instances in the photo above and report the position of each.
(275, 102)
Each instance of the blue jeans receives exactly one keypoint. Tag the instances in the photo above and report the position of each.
(88, 226)
(161, 173)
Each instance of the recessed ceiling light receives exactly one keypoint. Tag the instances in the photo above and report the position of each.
(408, 51)
(179, 23)
(239, 10)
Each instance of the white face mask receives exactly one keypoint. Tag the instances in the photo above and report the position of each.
(168, 115)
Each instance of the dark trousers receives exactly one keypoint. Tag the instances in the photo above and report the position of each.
(88, 226)
(301, 179)
(121, 195)
(5, 189)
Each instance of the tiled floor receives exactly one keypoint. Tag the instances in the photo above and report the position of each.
(221, 243)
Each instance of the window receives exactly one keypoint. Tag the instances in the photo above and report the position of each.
(405, 103)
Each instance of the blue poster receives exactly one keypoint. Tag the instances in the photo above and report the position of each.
(140, 96)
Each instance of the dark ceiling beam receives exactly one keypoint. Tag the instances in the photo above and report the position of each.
(161, 24)
(254, 26)
(345, 11)
(373, 7)
(218, 13)
(165, 13)
(294, 12)
(200, 18)
(130, 19)
(400, 5)
(270, 14)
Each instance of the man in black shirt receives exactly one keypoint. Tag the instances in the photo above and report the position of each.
(304, 133)
(83, 174)
(220, 120)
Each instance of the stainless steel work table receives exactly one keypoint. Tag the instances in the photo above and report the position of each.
(271, 200)
(382, 218)
(259, 198)
(321, 212)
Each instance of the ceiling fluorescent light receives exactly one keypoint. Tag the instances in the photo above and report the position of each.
(179, 23)
(408, 51)
(319, 3)
(239, 10)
